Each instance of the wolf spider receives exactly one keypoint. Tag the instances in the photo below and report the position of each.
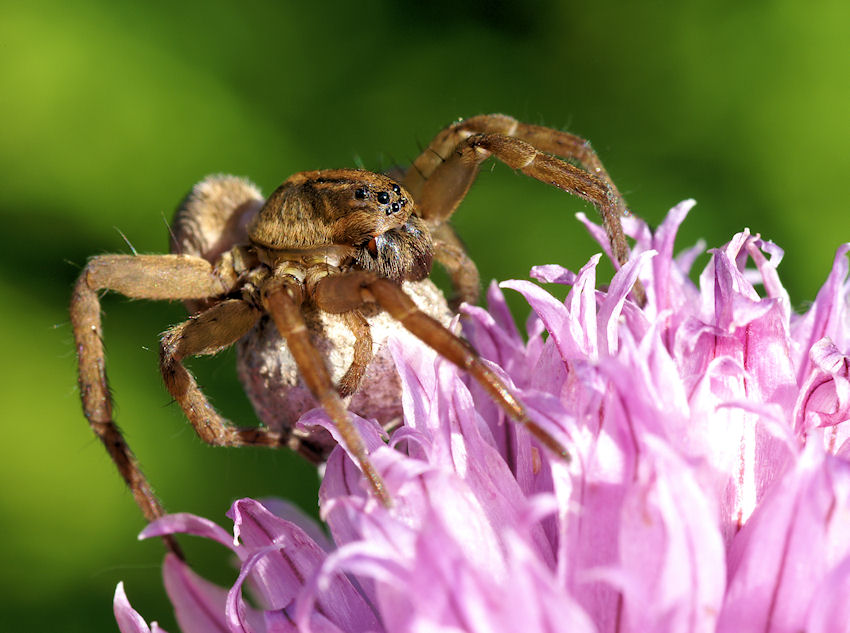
(336, 241)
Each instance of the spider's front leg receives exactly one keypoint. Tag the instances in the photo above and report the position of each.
(282, 298)
(442, 175)
(342, 293)
(138, 277)
(451, 253)
(208, 333)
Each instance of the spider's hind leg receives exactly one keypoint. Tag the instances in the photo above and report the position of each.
(211, 219)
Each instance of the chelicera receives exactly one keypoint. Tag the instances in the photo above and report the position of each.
(342, 243)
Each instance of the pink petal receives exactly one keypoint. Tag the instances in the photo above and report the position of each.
(129, 621)
(490, 340)
(553, 274)
(567, 333)
(767, 269)
(370, 431)
(278, 575)
(498, 308)
(581, 303)
(828, 315)
(591, 538)
(599, 234)
(613, 305)
(786, 549)
(198, 604)
(282, 622)
(292, 513)
(342, 499)
(830, 611)
(338, 601)
(418, 379)
(289, 557)
(824, 399)
(671, 550)
(184, 523)
(666, 276)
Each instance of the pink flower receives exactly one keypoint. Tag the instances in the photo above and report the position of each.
(709, 488)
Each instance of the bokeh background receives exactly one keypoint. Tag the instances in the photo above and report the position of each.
(111, 110)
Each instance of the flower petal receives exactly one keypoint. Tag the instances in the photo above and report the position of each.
(830, 611)
(670, 547)
(668, 278)
(287, 511)
(828, 316)
(184, 523)
(128, 619)
(198, 604)
(338, 601)
(795, 536)
(288, 557)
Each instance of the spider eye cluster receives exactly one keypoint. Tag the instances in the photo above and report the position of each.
(384, 197)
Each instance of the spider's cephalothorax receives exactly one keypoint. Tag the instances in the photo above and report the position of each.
(369, 215)
(305, 280)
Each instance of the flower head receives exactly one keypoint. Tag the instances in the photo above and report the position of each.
(709, 488)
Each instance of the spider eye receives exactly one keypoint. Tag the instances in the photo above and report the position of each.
(395, 207)
(396, 188)
(383, 197)
(360, 194)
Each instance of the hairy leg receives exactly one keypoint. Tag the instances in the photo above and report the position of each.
(282, 300)
(450, 252)
(212, 218)
(207, 333)
(141, 277)
(555, 142)
(345, 292)
(359, 326)
(441, 176)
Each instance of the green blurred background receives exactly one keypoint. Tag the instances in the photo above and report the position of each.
(112, 110)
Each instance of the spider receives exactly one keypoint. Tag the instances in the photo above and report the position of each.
(341, 244)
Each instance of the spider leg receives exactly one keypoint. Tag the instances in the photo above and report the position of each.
(212, 218)
(140, 277)
(571, 147)
(446, 142)
(339, 293)
(450, 252)
(441, 176)
(438, 151)
(359, 326)
(519, 154)
(207, 333)
(282, 298)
